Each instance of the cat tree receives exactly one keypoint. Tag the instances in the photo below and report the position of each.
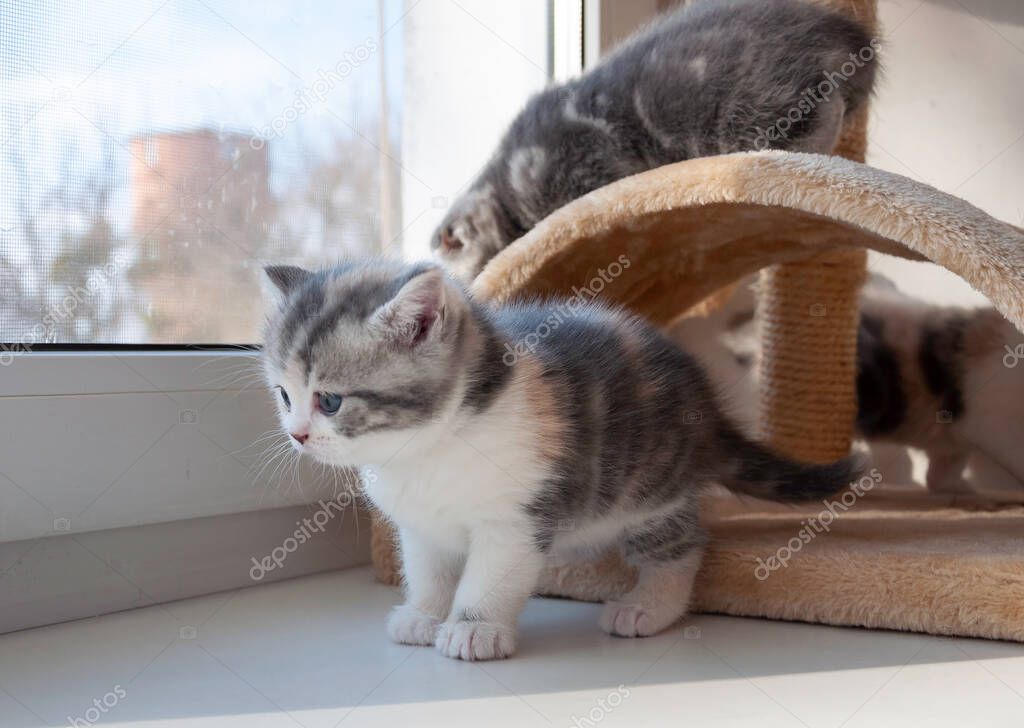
(806, 222)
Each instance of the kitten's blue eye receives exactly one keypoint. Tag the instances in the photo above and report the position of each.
(284, 398)
(329, 403)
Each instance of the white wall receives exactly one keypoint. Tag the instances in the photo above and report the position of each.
(469, 67)
(950, 112)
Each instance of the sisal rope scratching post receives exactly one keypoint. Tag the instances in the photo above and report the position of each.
(809, 318)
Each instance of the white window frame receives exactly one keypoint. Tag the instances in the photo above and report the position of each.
(126, 541)
(121, 390)
(137, 374)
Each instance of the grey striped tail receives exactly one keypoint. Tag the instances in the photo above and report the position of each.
(753, 469)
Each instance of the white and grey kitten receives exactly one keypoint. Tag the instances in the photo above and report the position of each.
(492, 457)
(943, 379)
(716, 77)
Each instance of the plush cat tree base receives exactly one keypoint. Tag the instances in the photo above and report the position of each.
(689, 229)
(886, 563)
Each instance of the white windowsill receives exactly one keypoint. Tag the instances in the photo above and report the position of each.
(312, 652)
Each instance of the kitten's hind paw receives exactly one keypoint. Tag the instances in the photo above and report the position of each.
(471, 640)
(636, 620)
(407, 625)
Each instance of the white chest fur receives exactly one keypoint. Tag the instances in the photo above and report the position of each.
(483, 472)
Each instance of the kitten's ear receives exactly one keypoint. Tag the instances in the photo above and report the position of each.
(286, 277)
(417, 312)
(280, 280)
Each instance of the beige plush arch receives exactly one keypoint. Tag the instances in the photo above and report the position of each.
(687, 229)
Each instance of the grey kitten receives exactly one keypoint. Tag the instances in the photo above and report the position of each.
(598, 432)
(713, 78)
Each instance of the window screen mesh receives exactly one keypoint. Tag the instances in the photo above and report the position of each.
(153, 155)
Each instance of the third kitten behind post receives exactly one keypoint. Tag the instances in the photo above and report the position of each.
(599, 433)
(943, 379)
(946, 380)
(713, 78)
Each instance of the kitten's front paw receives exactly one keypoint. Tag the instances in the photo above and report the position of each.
(635, 620)
(469, 640)
(407, 625)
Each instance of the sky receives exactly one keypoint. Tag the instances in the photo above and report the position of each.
(82, 69)
(80, 78)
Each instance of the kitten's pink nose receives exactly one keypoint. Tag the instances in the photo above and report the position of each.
(300, 437)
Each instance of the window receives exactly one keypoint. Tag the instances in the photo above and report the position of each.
(154, 154)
